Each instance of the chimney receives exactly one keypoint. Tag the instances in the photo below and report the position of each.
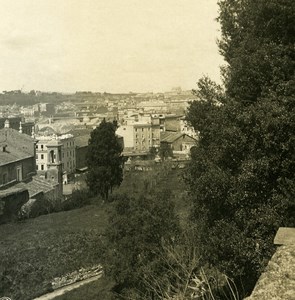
(4, 148)
(20, 127)
(6, 124)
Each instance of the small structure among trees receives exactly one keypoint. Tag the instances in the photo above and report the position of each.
(104, 159)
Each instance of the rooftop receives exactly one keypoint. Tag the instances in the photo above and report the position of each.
(170, 137)
(14, 146)
(35, 186)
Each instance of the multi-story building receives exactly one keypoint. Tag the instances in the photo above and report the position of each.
(67, 155)
(140, 132)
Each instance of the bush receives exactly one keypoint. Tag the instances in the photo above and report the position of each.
(78, 199)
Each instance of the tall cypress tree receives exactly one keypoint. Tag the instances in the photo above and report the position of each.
(104, 159)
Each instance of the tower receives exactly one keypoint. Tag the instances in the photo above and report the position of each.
(54, 164)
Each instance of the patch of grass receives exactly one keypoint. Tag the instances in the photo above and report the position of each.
(35, 251)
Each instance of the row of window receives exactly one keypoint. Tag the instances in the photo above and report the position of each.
(143, 141)
(40, 167)
(41, 147)
(63, 155)
(70, 143)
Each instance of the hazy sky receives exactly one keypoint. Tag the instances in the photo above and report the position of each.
(107, 45)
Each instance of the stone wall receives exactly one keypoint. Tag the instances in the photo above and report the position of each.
(277, 282)
(11, 201)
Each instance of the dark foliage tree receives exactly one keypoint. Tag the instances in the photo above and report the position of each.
(134, 239)
(242, 173)
(104, 160)
(153, 152)
(165, 151)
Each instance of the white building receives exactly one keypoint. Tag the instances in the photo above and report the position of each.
(140, 132)
(68, 155)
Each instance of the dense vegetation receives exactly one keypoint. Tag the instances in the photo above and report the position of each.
(241, 177)
(104, 160)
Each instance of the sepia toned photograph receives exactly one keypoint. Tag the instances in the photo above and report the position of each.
(147, 150)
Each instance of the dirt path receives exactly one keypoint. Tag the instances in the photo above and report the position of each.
(67, 288)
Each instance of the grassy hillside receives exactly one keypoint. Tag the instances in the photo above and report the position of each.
(35, 251)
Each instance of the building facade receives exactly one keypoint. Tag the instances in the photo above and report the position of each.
(140, 132)
(17, 157)
(67, 155)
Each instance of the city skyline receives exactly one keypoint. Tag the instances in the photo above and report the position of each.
(108, 46)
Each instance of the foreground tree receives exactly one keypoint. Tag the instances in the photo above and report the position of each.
(242, 173)
(104, 160)
(133, 249)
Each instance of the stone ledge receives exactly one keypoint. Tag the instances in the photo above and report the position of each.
(277, 282)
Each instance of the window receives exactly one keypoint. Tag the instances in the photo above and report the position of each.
(19, 176)
(36, 146)
(4, 178)
(42, 167)
(36, 156)
(42, 156)
(52, 156)
(41, 147)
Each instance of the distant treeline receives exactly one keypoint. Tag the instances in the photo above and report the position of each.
(33, 97)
